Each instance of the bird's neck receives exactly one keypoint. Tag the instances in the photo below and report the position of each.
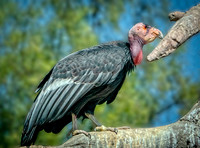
(136, 44)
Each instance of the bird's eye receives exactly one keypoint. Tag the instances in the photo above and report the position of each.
(145, 27)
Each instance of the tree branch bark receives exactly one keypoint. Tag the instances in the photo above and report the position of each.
(187, 26)
(183, 133)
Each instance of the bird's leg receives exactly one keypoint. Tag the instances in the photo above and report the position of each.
(100, 127)
(74, 122)
(93, 119)
(75, 127)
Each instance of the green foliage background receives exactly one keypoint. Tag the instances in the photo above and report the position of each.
(34, 35)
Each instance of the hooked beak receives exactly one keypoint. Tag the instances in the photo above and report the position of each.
(152, 34)
(157, 33)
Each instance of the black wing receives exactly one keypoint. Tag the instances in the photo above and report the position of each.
(71, 79)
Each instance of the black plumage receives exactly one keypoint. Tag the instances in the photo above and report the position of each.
(76, 84)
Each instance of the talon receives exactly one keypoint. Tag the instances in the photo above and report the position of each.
(100, 128)
(77, 132)
(103, 128)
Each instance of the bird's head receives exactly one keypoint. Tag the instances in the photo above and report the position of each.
(145, 32)
(139, 35)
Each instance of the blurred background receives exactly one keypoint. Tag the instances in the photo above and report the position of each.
(34, 35)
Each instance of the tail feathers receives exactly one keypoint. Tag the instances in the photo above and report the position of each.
(29, 138)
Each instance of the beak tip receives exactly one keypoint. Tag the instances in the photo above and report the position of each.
(160, 35)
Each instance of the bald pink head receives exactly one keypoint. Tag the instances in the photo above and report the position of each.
(139, 35)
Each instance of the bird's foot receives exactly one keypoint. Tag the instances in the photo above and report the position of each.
(77, 132)
(103, 128)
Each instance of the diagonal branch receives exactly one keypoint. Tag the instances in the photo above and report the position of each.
(187, 26)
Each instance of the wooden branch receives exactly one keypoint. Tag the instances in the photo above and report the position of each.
(187, 26)
(183, 133)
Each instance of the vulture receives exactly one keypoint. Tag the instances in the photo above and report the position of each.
(82, 80)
